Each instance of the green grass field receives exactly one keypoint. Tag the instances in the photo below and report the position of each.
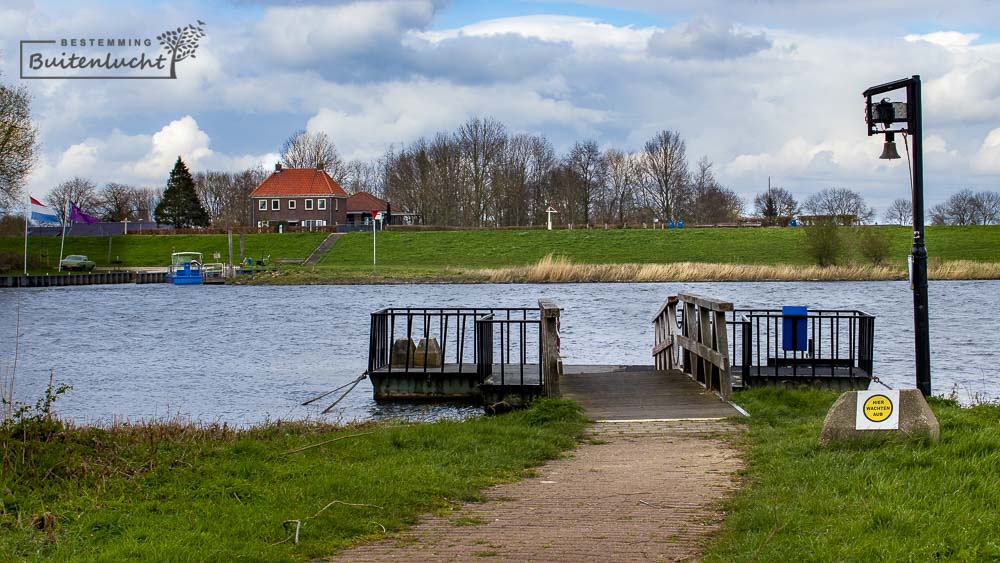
(457, 255)
(403, 251)
(155, 250)
(895, 502)
(168, 492)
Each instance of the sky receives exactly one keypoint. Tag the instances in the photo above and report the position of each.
(761, 88)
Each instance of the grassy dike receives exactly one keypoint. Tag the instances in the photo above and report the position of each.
(513, 256)
(177, 492)
(155, 250)
(505, 256)
(896, 502)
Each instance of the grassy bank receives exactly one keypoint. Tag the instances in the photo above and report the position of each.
(509, 255)
(639, 255)
(155, 250)
(899, 502)
(559, 270)
(179, 492)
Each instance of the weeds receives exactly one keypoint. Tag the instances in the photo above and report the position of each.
(557, 269)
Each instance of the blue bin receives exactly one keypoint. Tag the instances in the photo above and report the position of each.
(794, 328)
(670, 225)
(680, 224)
(793, 223)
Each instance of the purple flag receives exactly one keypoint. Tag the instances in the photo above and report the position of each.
(77, 215)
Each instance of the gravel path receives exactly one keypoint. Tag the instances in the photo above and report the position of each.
(637, 491)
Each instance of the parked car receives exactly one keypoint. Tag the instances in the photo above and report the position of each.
(77, 262)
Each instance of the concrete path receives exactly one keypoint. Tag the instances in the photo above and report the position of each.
(644, 487)
(320, 251)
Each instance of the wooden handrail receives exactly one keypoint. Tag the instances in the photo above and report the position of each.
(700, 340)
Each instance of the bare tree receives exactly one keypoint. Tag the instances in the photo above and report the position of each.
(621, 181)
(313, 150)
(363, 176)
(81, 191)
(145, 201)
(967, 208)
(710, 202)
(18, 144)
(987, 206)
(481, 142)
(900, 212)
(776, 206)
(585, 159)
(116, 202)
(665, 168)
(841, 204)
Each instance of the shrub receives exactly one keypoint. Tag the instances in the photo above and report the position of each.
(824, 242)
(874, 244)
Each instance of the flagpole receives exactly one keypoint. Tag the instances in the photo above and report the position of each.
(62, 243)
(27, 212)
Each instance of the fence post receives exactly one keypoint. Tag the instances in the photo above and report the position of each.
(549, 333)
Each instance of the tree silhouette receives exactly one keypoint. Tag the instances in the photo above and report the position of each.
(181, 43)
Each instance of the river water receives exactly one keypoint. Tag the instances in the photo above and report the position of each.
(241, 354)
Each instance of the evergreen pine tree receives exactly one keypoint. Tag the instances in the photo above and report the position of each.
(180, 205)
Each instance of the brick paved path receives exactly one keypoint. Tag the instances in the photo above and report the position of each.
(642, 491)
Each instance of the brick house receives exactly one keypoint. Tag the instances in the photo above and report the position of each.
(306, 197)
(361, 204)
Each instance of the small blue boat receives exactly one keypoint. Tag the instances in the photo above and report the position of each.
(186, 268)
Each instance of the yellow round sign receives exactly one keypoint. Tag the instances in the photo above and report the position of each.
(877, 408)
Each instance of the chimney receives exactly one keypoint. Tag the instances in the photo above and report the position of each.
(320, 165)
(277, 167)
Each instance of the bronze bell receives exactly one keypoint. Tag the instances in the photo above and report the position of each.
(889, 151)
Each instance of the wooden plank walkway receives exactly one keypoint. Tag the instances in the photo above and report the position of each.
(640, 393)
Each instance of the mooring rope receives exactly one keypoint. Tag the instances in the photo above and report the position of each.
(314, 399)
(880, 382)
(353, 384)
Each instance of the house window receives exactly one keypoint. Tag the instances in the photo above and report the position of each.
(275, 205)
(262, 205)
(309, 205)
(291, 204)
(320, 204)
(336, 205)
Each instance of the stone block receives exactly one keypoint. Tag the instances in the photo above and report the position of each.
(402, 349)
(916, 421)
(428, 353)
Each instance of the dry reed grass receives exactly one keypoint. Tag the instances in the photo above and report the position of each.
(557, 269)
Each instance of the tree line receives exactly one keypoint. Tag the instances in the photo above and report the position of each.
(482, 175)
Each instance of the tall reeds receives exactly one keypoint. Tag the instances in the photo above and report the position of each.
(557, 269)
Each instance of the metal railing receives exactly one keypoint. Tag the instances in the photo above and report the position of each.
(453, 329)
(497, 338)
(842, 339)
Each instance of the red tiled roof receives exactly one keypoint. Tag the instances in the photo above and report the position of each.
(298, 181)
(364, 201)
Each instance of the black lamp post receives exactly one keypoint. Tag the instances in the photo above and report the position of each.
(907, 115)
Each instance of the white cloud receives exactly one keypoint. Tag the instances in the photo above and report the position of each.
(707, 38)
(138, 159)
(947, 39)
(311, 33)
(582, 33)
(180, 138)
(988, 157)
(399, 112)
